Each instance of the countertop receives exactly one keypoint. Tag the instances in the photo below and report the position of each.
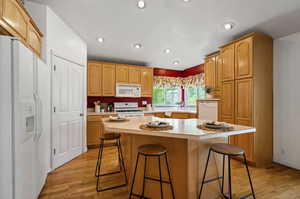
(154, 110)
(182, 128)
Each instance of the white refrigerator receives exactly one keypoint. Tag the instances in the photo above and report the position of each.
(24, 121)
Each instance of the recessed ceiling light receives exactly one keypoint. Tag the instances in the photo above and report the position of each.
(176, 62)
(228, 26)
(167, 50)
(100, 39)
(137, 45)
(141, 4)
(186, 0)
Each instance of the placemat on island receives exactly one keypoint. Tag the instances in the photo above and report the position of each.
(202, 127)
(145, 127)
(116, 121)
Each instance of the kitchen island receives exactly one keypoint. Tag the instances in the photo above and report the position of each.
(187, 153)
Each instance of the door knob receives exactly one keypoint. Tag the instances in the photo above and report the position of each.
(81, 114)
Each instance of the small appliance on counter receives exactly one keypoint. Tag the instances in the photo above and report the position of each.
(128, 90)
(208, 109)
(128, 109)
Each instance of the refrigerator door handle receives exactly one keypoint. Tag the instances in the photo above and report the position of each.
(40, 118)
(35, 97)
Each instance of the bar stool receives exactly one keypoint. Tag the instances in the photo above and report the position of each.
(110, 137)
(228, 150)
(152, 150)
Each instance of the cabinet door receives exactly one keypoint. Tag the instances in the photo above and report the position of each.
(227, 54)
(244, 101)
(243, 114)
(210, 70)
(93, 133)
(94, 79)
(227, 108)
(218, 72)
(134, 75)
(34, 40)
(246, 142)
(122, 74)
(243, 59)
(15, 17)
(108, 79)
(147, 81)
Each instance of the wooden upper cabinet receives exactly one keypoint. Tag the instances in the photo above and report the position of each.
(218, 72)
(15, 17)
(244, 101)
(94, 79)
(210, 72)
(108, 79)
(34, 39)
(227, 108)
(243, 58)
(134, 74)
(227, 54)
(122, 73)
(147, 81)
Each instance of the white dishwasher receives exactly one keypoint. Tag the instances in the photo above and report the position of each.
(208, 109)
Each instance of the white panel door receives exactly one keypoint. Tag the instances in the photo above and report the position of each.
(68, 109)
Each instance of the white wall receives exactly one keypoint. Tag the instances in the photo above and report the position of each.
(60, 39)
(287, 100)
(63, 41)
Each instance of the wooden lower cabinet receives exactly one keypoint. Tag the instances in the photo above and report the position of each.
(95, 129)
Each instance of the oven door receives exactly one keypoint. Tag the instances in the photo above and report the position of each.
(128, 90)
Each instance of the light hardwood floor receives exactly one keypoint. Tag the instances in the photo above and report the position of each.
(76, 180)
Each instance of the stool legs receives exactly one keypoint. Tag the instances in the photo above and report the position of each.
(203, 179)
(144, 179)
(223, 174)
(160, 180)
(121, 160)
(98, 167)
(136, 165)
(249, 177)
(229, 177)
(169, 174)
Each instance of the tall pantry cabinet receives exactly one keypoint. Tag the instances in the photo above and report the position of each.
(247, 94)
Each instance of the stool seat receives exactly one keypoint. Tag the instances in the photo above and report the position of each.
(110, 136)
(152, 149)
(227, 149)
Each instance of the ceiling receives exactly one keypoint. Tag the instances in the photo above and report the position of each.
(190, 29)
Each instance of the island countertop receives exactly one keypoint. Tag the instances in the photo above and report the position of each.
(182, 128)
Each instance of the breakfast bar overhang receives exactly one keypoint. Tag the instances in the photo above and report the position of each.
(187, 148)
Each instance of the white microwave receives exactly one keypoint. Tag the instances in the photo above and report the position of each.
(128, 90)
